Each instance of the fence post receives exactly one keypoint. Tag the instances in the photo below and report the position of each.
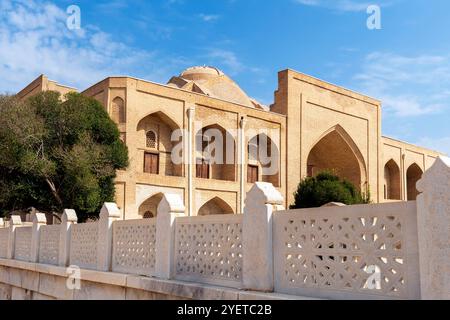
(68, 219)
(14, 222)
(261, 201)
(109, 213)
(170, 207)
(433, 222)
(39, 220)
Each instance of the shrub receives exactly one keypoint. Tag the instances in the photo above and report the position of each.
(325, 188)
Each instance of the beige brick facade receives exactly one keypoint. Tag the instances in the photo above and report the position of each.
(312, 125)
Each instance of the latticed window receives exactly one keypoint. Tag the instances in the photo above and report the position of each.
(148, 215)
(152, 140)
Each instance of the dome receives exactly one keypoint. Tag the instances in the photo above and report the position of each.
(213, 82)
(199, 73)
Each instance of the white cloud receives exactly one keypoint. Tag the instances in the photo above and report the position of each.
(227, 59)
(34, 39)
(209, 17)
(345, 5)
(406, 85)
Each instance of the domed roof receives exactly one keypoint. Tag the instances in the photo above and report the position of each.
(214, 83)
(201, 72)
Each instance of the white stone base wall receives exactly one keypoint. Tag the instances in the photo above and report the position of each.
(31, 281)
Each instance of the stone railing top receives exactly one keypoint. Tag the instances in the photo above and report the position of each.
(69, 215)
(171, 203)
(110, 210)
(264, 192)
(438, 173)
(2, 223)
(39, 218)
(15, 221)
(334, 204)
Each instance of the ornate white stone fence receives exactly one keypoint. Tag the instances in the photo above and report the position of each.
(383, 251)
(348, 252)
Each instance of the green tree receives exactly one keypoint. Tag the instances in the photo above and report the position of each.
(326, 187)
(58, 153)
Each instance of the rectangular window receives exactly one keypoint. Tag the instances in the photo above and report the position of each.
(252, 174)
(151, 163)
(202, 169)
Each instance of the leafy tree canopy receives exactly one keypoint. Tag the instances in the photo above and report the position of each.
(58, 153)
(326, 187)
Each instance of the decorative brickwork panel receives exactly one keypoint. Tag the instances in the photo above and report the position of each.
(4, 236)
(49, 244)
(134, 249)
(83, 245)
(347, 251)
(23, 243)
(209, 249)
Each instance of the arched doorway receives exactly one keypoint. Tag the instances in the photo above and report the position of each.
(215, 206)
(392, 181)
(149, 208)
(413, 174)
(155, 143)
(215, 154)
(263, 160)
(336, 152)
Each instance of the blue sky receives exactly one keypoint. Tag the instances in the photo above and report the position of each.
(406, 64)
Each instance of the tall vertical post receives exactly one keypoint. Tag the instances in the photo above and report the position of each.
(433, 221)
(242, 162)
(68, 219)
(109, 213)
(170, 207)
(190, 158)
(261, 201)
(14, 222)
(39, 220)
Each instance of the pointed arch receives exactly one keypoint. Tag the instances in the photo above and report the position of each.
(161, 115)
(149, 208)
(215, 206)
(392, 180)
(336, 151)
(155, 142)
(215, 153)
(263, 158)
(118, 112)
(413, 174)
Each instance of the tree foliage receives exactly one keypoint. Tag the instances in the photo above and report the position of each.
(58, 153)
(325, 188)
